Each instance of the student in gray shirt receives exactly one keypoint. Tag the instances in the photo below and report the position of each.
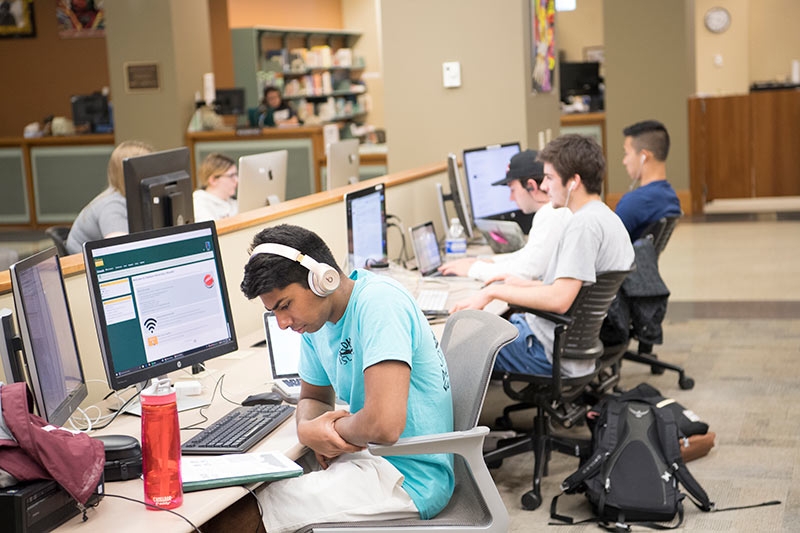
(594, 241)
(107, 214)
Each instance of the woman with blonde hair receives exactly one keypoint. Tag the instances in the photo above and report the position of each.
(216, 197)
(107, 214)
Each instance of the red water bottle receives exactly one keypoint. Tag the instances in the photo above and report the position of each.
(161, 446)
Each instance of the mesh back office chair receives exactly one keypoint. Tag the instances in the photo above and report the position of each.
(470, 343)
(59, 234)
(660, 232)
(557, 398)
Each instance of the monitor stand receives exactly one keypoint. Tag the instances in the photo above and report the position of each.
(185, 403)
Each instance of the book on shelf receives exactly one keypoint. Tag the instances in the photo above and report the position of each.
(200, 472)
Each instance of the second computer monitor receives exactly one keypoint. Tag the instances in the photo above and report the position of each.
(262, 179)
(158, 190)
(366, 227)
(343, 162)
(48, 339)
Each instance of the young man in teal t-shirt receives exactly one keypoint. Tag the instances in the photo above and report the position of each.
(366, 342)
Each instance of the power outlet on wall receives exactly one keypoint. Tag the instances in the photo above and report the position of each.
(451, 74)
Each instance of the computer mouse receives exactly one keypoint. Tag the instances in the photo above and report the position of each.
(262, 398)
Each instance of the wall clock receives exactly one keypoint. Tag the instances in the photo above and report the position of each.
(717, 19)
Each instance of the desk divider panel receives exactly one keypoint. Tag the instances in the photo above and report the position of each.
(65, 179)
(299, 169)
(14, 200)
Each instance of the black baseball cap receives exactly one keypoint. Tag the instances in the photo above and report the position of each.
(522, 166)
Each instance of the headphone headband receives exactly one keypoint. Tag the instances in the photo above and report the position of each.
(322, 278)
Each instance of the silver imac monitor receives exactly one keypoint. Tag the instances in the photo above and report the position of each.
(48, 338)
(262, 179)
(343, 161)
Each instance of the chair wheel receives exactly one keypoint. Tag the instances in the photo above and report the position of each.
(686, 383)
(531, 501)
(656, 370)
(502, 422)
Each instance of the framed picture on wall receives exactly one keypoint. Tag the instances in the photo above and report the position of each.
(78, 19)
(543, 44)
(16, 19)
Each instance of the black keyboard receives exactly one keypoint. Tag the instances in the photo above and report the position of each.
(238, 431)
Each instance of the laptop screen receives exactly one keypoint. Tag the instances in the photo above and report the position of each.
(426, 248)
(283, 346)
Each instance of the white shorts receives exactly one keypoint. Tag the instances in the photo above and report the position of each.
(355, 487)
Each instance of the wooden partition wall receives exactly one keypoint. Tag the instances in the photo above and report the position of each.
(744, 146)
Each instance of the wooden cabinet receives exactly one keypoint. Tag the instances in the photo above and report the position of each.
(317, 70)
(744, 146)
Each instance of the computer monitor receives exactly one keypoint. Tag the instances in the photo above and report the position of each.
(229, 102)
(51, 354)
(10, 346)
(456, 196)
(484, 166)
(262, 179)
(366, 227)
(160, 302)
(578, 78)
(91, 110)
(158, 190)
(343, 162)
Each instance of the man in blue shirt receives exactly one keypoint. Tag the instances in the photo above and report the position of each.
(366, 342)
(646, 147)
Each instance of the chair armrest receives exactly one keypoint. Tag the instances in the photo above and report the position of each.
(453, 442)
(549, 315)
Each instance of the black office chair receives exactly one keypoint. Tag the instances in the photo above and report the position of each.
(557, 398)
(659, 232)
(59, 234)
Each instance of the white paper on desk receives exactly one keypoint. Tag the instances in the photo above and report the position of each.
(245, 467)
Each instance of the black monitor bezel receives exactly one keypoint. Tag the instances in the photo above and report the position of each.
(146, 173)
(119, 382)
(230, 101)
(349, 198)
(62, 412)
(81, 102)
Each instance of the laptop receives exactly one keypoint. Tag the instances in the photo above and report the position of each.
(426, 249)
(502, 236)
(283, 349)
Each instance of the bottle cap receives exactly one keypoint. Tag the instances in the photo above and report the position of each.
(158, 387)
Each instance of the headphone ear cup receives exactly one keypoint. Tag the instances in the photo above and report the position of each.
(323, 280)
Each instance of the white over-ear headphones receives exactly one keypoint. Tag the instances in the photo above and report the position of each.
(323, 279)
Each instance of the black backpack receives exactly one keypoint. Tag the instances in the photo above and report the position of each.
(635, 472)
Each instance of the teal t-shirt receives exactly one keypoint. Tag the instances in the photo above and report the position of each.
(382, 322)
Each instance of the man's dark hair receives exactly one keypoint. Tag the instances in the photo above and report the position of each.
(649, 135)
(575, 154)
(266, 272)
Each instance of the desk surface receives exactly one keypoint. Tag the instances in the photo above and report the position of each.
(245, 372)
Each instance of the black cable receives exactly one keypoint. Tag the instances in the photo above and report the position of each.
(258, 503)
(134, 500)
(120, 410)
(403, 257)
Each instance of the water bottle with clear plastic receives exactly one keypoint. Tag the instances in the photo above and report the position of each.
(161, 446)
(455, 244)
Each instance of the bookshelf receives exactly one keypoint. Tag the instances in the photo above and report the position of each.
(316, 70)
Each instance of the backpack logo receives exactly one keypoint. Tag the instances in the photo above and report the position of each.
(637, 413)
(666, 476)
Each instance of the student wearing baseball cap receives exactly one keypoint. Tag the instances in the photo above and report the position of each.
(523, 178)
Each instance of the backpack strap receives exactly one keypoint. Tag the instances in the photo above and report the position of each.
(668, 435)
